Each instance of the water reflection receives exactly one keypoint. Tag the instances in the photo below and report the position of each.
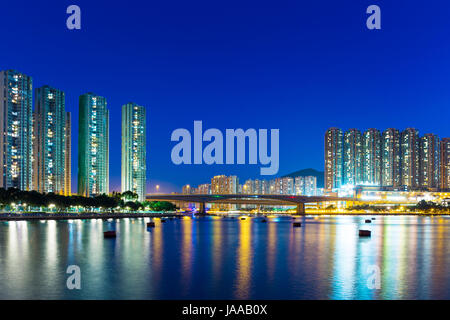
(244, 261)
(224, 258)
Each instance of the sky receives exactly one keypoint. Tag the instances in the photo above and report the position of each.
(297, 66)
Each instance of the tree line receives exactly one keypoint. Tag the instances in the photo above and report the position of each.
(126, 200)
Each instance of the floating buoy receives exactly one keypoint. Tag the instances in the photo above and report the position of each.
(150, 224)
(263, 220)
(368, 221)
(297, 224)
(242, 218)
(373, 218)
(163, 221)
(365, 233)
(109, 234)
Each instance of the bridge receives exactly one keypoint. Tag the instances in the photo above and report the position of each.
(258, 199)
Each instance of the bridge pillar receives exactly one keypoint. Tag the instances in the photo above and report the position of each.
(202, 209)
(300, 208)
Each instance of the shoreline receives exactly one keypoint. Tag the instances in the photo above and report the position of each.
(103, 216)
(106, 216)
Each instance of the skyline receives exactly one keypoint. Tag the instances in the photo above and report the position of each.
(300, 68)
(356, 156)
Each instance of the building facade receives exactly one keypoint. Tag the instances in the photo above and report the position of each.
(429, 161)
(445, 164)
(49, 146)
(305, 185)
(372, 157)
(134, 149)
(16, 126)
(410, 164)
(224, 185)
(390, 158)
(333, 158)
(68, 155)
(353, 157)
(93, 145)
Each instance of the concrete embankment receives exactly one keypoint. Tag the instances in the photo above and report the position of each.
(62, 216)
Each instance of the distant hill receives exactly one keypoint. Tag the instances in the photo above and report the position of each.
(309, 172)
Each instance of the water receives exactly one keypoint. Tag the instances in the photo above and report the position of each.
(224, 258)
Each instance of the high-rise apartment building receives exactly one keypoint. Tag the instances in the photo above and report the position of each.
(410, 163)
(134, 149)
(445, 164)
(68, 155)
(333, 158)
(93, 145)
(263, 186)
(310, 186)
(390, 158)
(224, 185)
(249, 187)
(429, 161)
(353, 157)
(305, 185)
(372, 157)
(204, 189)
(49, 147)
(16, 126)
(287, 185)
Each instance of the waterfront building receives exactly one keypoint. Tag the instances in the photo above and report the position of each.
(372, 157)
(333, 158)
(390, 158)
(187, 189)
(68, 155)
(248, 187)
(305, 185)
(287, 185)
(93, 145)
(445, 164)
(299, 185)
(134, 149)
(410, 163)
(429, 161)
(16, 126)
(264, 186)
(204, 189)
(49, 147)
(224, 185)
(310, 186)
(353, 157)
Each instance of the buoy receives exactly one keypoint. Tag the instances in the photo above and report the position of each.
(162, 220)
(365, 233)
(150, 224)
(242, 218)
(109, 234)
(373, 218)
(368, 221)
(263, 220)
(297, 224)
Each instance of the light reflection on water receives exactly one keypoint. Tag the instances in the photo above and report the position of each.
(224, 258)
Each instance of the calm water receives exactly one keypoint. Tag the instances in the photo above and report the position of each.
(224, 258)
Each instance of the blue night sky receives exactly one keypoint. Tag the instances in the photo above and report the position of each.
(299, 66)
